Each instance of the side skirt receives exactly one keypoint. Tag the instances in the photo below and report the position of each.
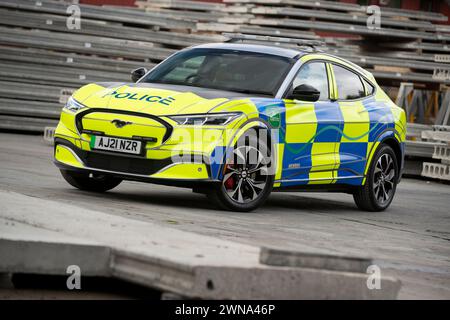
(318, 188)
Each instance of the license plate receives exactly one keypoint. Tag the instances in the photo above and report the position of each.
(116, 144)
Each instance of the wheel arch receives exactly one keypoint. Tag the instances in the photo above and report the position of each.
(396, 146)
(389, 138)
(250, 124)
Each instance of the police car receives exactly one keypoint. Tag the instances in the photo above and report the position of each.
(237, 121)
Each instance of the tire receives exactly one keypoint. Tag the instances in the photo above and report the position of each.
(381, 181)
(87, 182)
(246, 184)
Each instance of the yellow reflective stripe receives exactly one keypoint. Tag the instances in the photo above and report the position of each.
(183, 171)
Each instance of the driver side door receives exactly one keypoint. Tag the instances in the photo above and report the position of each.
(312, 130)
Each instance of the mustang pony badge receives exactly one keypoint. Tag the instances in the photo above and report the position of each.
(120, 124)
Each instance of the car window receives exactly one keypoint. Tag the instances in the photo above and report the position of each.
(313, 74)
(183, 70)
(349, 84)
(231, 70)
(369, 87)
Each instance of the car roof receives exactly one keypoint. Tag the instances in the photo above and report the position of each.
(278, 51)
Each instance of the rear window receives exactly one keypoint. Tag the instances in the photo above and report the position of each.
(348, 83)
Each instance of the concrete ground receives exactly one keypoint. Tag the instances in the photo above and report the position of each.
(409, 241)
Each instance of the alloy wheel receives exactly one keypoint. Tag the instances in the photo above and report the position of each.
(245, 174)
(383, 182)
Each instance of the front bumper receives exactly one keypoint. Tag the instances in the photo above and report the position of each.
(175, 152)
(162, 171)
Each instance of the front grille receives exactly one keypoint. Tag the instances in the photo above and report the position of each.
(161, 130)
(124, 164)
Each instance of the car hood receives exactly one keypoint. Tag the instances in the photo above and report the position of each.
(155, 99)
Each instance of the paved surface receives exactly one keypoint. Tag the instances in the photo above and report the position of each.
(409, 241)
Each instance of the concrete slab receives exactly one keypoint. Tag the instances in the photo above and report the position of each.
(171, 260)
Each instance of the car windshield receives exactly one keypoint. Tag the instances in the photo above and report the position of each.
(230, 70)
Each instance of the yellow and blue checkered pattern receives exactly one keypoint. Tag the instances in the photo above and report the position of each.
(328, 142)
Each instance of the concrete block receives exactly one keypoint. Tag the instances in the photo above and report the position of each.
(288, 283)
(52, 258)
(443, 136)
(283, 258)
(441, 152)
(436, 170)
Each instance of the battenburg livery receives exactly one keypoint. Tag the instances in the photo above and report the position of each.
(236, 121)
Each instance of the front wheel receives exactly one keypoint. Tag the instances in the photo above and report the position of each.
(247, 180)
(90, 182)
(381, 183)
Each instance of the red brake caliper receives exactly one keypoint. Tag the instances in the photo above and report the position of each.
(229, 184)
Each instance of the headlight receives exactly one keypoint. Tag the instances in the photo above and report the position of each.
(213, 119)
(73, 105)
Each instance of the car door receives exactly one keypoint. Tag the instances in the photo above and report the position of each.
(311, 130)
(353, 93)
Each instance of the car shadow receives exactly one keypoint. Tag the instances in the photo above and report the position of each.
(150, 197)
(190, 200)
(307, 203)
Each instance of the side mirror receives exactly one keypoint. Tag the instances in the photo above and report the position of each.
(138, 73)
(305, 92)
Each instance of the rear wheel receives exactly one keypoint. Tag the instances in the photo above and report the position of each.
(381, 183)
(90, 182)
(246, 181)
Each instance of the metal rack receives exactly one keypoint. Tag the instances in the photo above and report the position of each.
(235, 37)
